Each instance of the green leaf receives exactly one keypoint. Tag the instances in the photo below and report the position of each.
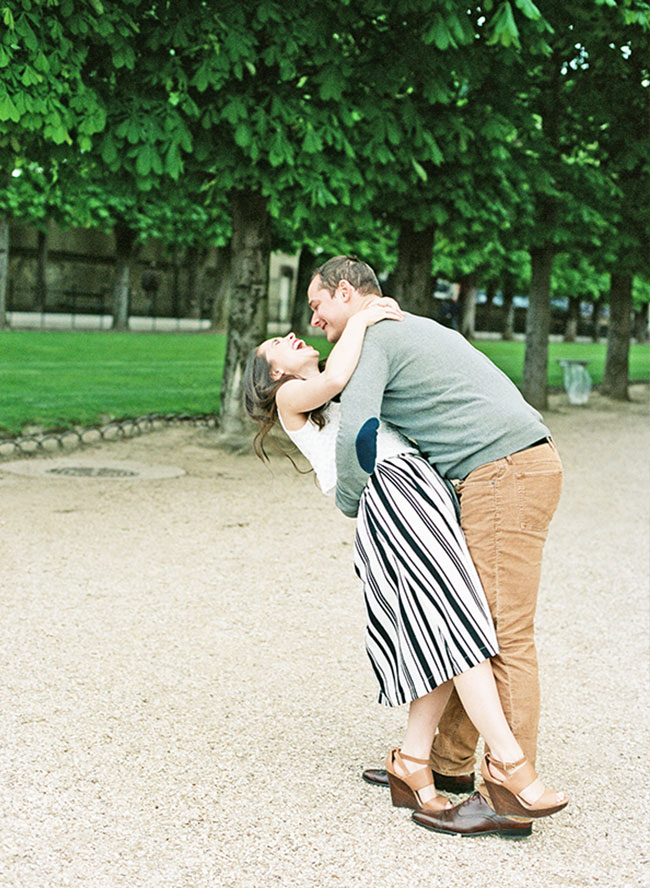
(392, 131)
(200, 79)
(156, 162)
(384, 155)
(41, 63)
(184, 138)
(109, 150)
(277, 153)
(312, 143)
(8, 110)
(243, 135)
(439, 214)
(529, 9)
(58, 133)
(30, 77)
(27, 33)
(145, 183)
(143, 162)
(332, 85)
(4, 57)
(419, 169)
(173, 163)
(23, 104)
(439, 34)
(234, 110)
(8, 18)
(461, 28)
(504, 27)
(98, 120)
(133, 132)
(189, 107)
(435, 154)
(287, 69)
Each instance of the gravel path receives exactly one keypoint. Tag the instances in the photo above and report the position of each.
(186, 701)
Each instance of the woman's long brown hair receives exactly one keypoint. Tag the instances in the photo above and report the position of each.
(260, 390)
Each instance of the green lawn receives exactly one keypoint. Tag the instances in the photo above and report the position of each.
(509, 356)
(57, 379)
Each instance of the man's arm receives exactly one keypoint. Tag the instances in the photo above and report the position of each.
(356, 445)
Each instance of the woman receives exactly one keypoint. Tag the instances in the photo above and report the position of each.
(429, 627)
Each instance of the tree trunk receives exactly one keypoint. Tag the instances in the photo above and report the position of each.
(125, 251)
(595, 319)
(222, 287)
(615, 378)
(534, 384)
(641, 323)
(300, 313)
(467, 297)
(4, 268)
(176, 299)
(41, 272)
(247, 313)
(508, 329)
(195, 258)
(571, 328)
(490, 293)
(410, 283)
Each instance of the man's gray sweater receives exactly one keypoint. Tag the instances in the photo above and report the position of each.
(439, 391)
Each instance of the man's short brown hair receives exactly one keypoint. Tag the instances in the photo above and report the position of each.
(351, 269)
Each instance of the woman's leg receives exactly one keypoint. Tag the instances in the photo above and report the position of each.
(478, 693)
(424, 715)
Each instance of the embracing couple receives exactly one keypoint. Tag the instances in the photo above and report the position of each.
(453, 479)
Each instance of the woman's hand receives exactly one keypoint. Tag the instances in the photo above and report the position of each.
(386, 300)
(380, 309)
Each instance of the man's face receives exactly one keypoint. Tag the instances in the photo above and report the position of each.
(329, 312)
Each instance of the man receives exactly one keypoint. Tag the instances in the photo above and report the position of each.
(472, 424)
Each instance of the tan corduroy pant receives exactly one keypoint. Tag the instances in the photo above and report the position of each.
(506, 508)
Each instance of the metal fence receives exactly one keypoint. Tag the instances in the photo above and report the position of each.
(77, 307)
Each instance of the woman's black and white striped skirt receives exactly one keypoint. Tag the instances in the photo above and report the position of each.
(428, 619)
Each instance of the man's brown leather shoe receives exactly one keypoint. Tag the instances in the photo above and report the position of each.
(445, 783)
(473, 817)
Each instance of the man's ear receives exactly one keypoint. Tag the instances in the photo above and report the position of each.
(345, 288)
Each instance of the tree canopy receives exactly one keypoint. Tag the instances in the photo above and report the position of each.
(431, 135)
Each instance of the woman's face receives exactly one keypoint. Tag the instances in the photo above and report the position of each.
(289, 356)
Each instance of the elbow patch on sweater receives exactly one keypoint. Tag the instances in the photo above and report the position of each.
(366, 445)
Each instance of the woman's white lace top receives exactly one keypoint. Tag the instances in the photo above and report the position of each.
(319, 445)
